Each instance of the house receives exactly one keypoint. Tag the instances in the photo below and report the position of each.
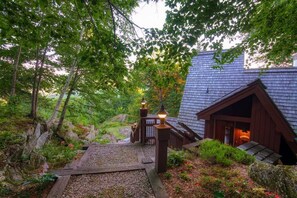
(237, 105)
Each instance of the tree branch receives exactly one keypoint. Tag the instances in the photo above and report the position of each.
(113, 20)
(91, 16)
(121, 13)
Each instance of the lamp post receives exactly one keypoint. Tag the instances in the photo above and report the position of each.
(143, 113)
(143, 109)
(143, 103)
(162, 114)
(162, 134)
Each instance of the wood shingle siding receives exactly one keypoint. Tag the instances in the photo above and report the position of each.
(205, 86)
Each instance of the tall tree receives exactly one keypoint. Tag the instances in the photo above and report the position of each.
(267, 27)
(161, 68)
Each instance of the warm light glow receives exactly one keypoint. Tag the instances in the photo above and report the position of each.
(241, 136)
(143, 103)
(162, 114)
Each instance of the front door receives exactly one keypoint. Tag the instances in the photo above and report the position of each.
(224, 131)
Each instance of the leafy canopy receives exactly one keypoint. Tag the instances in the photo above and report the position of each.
(266, 27)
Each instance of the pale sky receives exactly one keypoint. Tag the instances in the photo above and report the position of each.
(153, 15)
(150, 15)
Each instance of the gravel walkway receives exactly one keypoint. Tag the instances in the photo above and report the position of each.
(111, 155)
(149, 151)
(112, 185)
(121, 184)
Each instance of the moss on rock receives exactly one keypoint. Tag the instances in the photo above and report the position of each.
(280, 178)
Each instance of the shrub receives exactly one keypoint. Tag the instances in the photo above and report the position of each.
(177, 189)
(57, 154)
(223, 154)
(167, 175)
(46, 178)
(184, 176)
(5, 191)
(211, 183)
(9, 138)
(175, 158)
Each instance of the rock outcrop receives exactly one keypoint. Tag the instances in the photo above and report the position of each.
(280, 178)
(92, 133)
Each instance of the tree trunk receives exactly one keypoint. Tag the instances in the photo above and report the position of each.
(61, 120)
(50, 121)
(33, 104)
(63, 91)
(38, 82)
(15, 69)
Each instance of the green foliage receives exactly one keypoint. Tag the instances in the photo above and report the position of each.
(211, 183)
(167, 175)
(218, 194)
(219, 153)
(178, 189)
(17, 106)
(265, 26)
(94, 45)
(4, 191)
(101, 141)
(111, 128)
(44, 179)
(184, 176)
(161, 69)
(58, 154)
(175, 158)
(8, 138)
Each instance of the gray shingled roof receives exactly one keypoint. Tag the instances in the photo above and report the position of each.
(205, 85)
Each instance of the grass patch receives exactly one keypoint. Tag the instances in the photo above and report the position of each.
(223, 154)
(211, 183)
(42, 182)
(57, 154)
(168, 175)
(8, 138)
(175, 158)
(184, 176)
(15, 124)
(110, 128)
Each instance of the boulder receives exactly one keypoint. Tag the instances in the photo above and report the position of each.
(42, 140)
(126, 131)
(71, 135)
(37, 131)
(32, 138)
(92, 134)
(280, 178)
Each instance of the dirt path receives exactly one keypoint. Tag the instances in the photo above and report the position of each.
(112, 170)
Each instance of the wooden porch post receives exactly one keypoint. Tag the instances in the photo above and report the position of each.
(143, 114)
(162, 134)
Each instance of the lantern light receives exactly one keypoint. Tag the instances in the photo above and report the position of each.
(143, 103)
(162, 114)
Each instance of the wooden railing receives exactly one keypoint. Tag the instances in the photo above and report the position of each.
(147, 133)
(144, 132)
